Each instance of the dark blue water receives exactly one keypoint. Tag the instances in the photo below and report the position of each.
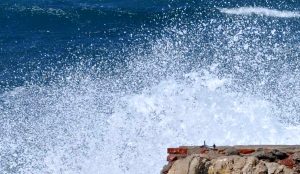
(40, 35)
(78, 76)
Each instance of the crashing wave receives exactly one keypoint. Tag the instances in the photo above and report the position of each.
(261, 11)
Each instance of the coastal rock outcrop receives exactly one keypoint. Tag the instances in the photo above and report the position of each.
(233, 160)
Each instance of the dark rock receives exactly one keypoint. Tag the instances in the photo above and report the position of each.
(166, 168)
(278, 154)
(231, 151)
(204, 166)
(271, 156)
(267, 156)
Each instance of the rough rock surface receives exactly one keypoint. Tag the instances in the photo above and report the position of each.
(233, 160)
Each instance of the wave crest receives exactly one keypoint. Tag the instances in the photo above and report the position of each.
(262, 11)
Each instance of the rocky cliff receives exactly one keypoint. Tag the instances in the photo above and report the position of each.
(233, 160)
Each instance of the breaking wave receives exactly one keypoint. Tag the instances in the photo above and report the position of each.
(261, 11)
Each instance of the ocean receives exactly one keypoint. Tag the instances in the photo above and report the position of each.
(106, 86)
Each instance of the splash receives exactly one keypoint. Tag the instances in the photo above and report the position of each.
(261, 11)
(77, 134)
(188, 111)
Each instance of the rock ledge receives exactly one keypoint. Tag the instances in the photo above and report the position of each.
(265, 159)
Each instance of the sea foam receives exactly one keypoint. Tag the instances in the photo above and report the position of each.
(262, 11)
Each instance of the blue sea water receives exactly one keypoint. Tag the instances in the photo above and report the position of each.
(105, 86)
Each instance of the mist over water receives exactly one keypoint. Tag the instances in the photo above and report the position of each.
(187, 75)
